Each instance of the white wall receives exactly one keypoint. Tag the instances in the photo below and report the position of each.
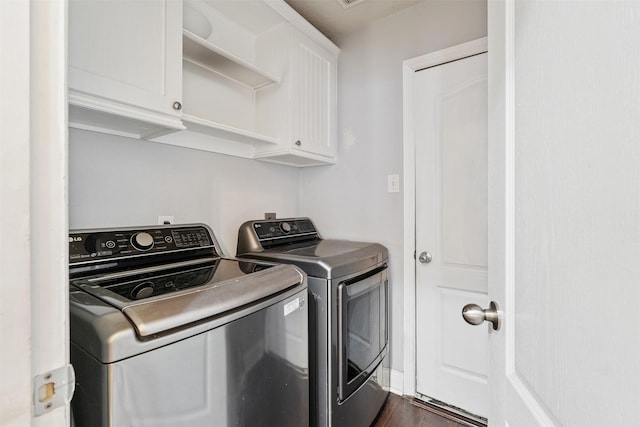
(350, 199)
(118, 181)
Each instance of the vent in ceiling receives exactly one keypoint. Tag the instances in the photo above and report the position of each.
(349, 3)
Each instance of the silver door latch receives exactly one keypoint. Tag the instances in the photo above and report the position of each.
(53, 389)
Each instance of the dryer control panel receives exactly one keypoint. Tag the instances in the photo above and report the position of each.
(263, 234)
(283, 228)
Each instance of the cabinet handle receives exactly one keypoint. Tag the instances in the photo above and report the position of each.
(177, 106)
(298, 143)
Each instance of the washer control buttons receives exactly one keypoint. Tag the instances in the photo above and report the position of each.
(97, 244)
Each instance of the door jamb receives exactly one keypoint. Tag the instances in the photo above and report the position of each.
(409, 67)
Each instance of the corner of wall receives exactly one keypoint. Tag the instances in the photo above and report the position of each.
(396, 382)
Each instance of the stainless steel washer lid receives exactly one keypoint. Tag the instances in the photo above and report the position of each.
(164, 313)
(111, 331)
(327, 259)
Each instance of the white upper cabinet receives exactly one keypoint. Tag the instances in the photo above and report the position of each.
(302, 112)
(258, 81)
(247, 78)
(125, 66)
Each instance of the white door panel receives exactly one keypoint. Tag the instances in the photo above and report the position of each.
(454, 352)
(463, 171)
(565, 212)
(450, 115)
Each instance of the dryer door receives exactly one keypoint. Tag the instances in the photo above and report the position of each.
(362, 328)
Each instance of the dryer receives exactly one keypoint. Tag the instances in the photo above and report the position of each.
(348, 288)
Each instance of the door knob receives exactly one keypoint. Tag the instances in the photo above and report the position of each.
(473, 314)
(425, 257)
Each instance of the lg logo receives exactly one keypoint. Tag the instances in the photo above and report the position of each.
(75, 239)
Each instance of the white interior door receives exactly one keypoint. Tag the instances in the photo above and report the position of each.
(450, 122)
(565, 212)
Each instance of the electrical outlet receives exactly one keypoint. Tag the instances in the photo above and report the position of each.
(165, 219)
(393, 183)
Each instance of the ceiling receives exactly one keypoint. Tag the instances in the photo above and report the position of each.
(334, 21)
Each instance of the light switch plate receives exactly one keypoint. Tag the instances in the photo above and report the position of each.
(393, 183)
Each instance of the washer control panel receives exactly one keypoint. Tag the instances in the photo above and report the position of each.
(102, 244)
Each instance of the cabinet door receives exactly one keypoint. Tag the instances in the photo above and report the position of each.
(127, 52)
(314, 96)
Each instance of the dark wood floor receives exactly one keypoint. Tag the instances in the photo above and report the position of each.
(400, 411)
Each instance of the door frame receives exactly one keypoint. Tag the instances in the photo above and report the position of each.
(34, 212)
(409, 67)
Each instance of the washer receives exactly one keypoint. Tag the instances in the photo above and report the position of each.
(348, 317)
(167, 332)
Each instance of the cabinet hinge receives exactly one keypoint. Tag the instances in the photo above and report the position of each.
(53, 389)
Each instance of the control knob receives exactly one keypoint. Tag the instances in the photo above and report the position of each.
(142, 241)
(285, 226)
(91, 243)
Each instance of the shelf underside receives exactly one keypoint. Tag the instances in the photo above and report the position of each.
(207, 127)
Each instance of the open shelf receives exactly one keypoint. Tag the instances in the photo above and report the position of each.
(208, 127)
(207, 55)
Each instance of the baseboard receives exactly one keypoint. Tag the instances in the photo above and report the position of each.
(396, 381)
